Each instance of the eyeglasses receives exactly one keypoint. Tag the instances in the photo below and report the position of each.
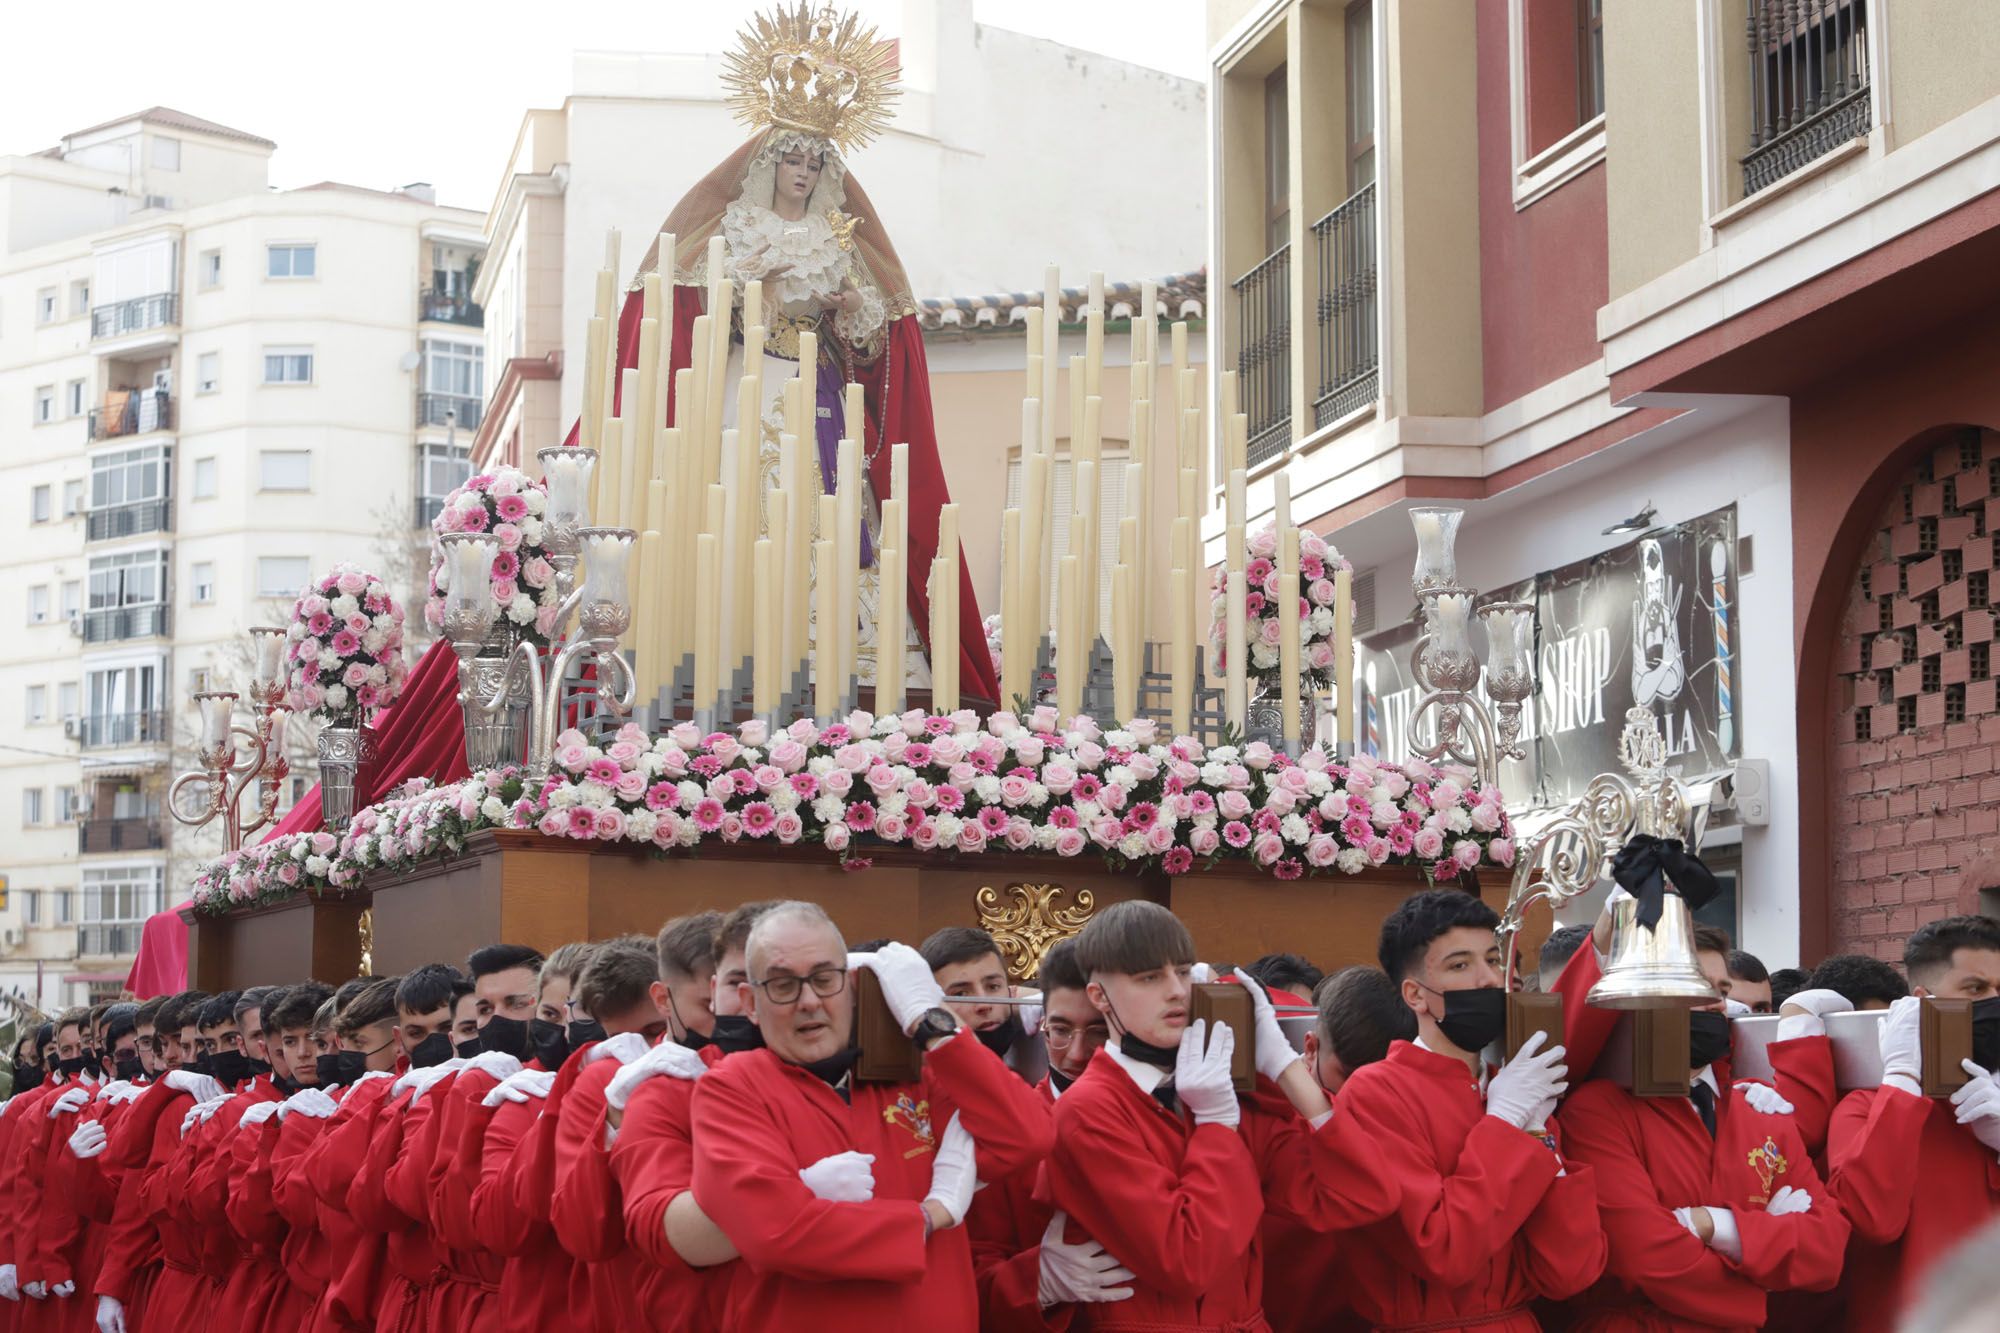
(784, 988)
(1061, 1035)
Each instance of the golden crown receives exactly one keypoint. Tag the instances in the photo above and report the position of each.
(818, 73)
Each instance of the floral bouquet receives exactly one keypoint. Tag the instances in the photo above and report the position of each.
(344, 648)
(508, 504)
(1318, 561)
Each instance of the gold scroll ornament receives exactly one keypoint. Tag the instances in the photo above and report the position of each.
(365, 927)
(1029, 921)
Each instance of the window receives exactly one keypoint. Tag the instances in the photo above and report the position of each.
(45, 306)
(65, 804)
(441, 469)
(208, 372)
(32, 807)
(201, 581)
(1809, 84)
(205, 478)
(72, 599)
(123, 693)
(125, 894)
(282, 575)
(45, 404)
(1589, 60)
(40, 501)
(31, 907)
(1360, 95)
(38, 604)
(69, 700)
(1277, 162)
(454, 368)
(73, 398)
(288, 365)
(38, 703)
(72, 497)
(209, 268)
(79, 297)
(129, 476)
(284, 470)
(130, 578)
(166, 153)
(63, 911)
(290, 261)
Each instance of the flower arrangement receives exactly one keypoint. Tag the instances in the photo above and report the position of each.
(344, 647)
(508, 504)
(1318, 561)
(949, 785)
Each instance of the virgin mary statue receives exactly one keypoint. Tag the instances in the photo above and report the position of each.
(793, 216)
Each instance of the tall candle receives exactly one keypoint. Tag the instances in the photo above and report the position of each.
(735, 572)
(1124, 657)
(643, 411)
(1012, 634)
(1034, 544)
(707, 595)
(1072, 658)
(1138, 511)
(899, 489)
(635, 451)
(610, 474)
(825, 668)
(607, 365)
(1093, 355)
(645, 658)
(1281, 501)
(1343, 652)
(854, 413)
(1051, 351)
(695, 425)
(611, 243)
(753, 315)
(827, 638)
(1181, 706)
(891, 631)
(944, 650)
(809, 377)
(1235, 695)
(848, 549)
(764, 653)
(1288, 631)
(1085, 543)
(593, 353)
(1235, 505)
(778, 522)
(1034, 357)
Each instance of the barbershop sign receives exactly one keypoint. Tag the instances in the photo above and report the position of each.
(1652, 623)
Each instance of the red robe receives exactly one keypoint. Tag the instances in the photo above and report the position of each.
(246, 1275)
(148, 1146)
(1006, 1225)
(21, 1180)
(356, 1273)
(1653, 1155)
(1485, 1225)
(510, 1209)
(66, 1247)
(131, 1264)
(852, 1266)
(306, 1256)
(651, 1164)
(471, 1274)
(1915, 1183)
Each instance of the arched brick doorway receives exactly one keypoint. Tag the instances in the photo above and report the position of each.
(1911, 707)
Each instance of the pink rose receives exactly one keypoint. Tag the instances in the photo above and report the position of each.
(1501, 850)
(971, 836)
(1020, 834)
(610, 825)
(835, 837)
(1267, 848)
(1322, 850)
(1428, 844)
(1159, 838)
(1205, 841)
(923, 835)
(1070, 842)
(1233, 805)
(353, 582)
(788, 755)
(838, 781)
(891, 828)
(1466, 852)
(789, 828)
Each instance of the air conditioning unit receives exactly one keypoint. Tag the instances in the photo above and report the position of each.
(160, 201)
(10, 938)
(76, 508)
(73, 727)
(76, 626)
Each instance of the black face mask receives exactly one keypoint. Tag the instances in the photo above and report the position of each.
(1473, 1019)
(259, 1068)
(1986, 1032)
(72, 1067)
(584, 1031)
(1001, 1040)
(551, 1043)
(468, 1048)
(735, 1032)
(833, 1068)
(1708, 1037)
(203, 1064)
(27, 1078)
(340, 1068)
(1135, 1047)
(1059, 1080)
(230, 1068)
(432, 1050)
(286, 1084)
(129, 1068)
(508, 1036)
(91, 1058)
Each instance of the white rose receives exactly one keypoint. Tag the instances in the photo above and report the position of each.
(318, 865)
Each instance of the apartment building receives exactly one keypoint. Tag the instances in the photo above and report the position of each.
(1685, 305)
(208, 390)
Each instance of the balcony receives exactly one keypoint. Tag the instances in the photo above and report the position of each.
(129, 520)
(120, 835)
(428, 508)
(1344, 245)
(115, 624)
(448, 308)
(1809, 89)
(448, 409)
(123, 318)
(1264, 358)
(105, 731)
(109, 941)
(139, 414)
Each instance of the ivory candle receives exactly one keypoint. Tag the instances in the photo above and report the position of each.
(707, 594)
(827, 638)
(1034, 355)
(593, 354)
(1137, 511)
(899, 489)
(891, 631)
(777, 522)
(1288, 630)
(1093, 343)
(696, 424)
(610, 474)
(645, 615)
(607, 365)
(1181, 706)
(753, 316)
(1235, 690)
(1011, 632)
(1051, 353)
(1343, 653)
(635, 451)
(1235, 500)
(854, 413)
(1084, 542)
(1281, 502)
(1071, 657)
(643, 410)
(1124, 658)
(848, 550)
(945, 697)
(809, 379)
(611, 242)
(764, 655)
(825, 687)
(1034, 543)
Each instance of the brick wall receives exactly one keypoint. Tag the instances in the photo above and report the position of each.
(1916, 729)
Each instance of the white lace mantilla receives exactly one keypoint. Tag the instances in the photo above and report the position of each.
(818, 266)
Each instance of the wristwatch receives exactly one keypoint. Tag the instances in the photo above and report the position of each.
(933, 1024)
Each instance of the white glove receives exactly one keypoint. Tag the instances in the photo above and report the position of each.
(193, 1115)
(69, 1101)
(312, 1103)
(496, 1065)
(1977, 1105)
(1080, 1272)
(10, 1284)
(669, 1059)
(88, 1140)
(624, 1048)
(201, 1086)
(1201, 1077)
(1723, 1236)
(126, 1092)
(257, 1114)
(110, 1315)
(423, 1078)
(63, 1289)
(1520, 1088)
(1804, 1015)
(206, 1110)
(528, 1083)
(907, 983)
(438, 1074)
(1764, 1099)
(1735, 1008)
(1788, 1201)
(1274, 1050)
(954, 1173)
(37, 1290)
(1201, 974)
(110, 1091)
(1031, 1016)
(1902, 1051)
(845, 1177)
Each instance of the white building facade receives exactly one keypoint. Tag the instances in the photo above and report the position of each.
(208, 392)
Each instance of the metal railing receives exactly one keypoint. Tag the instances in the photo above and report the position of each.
(1349, 358)
(111, 624)
(1264, 353)
(120, 835)
(157, 311)
(142, 412)
(1809, 84)
(109, 941)
(105, 730)
(448, 409)
(129, 520)
(446, 308)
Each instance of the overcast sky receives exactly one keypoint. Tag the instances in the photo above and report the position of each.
(380, 94)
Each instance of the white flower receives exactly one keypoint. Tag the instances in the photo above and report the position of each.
(1458, 821)
(1351, 860)
(336, 696)
(562, 798)
(469, 500)
(521, 609)
(948, 827)
(593, 794)
(828, 809)
(343, 605)
(640, 823)
(372, 641)
(494, 809)
(1123, 776)
(318, 865)
(1295, 829)
(987, 788)
(531, 528)
(329, 661)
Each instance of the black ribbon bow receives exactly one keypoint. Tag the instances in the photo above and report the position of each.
(1645, 864)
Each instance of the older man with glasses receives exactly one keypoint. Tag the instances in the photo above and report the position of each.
(845, 1198)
